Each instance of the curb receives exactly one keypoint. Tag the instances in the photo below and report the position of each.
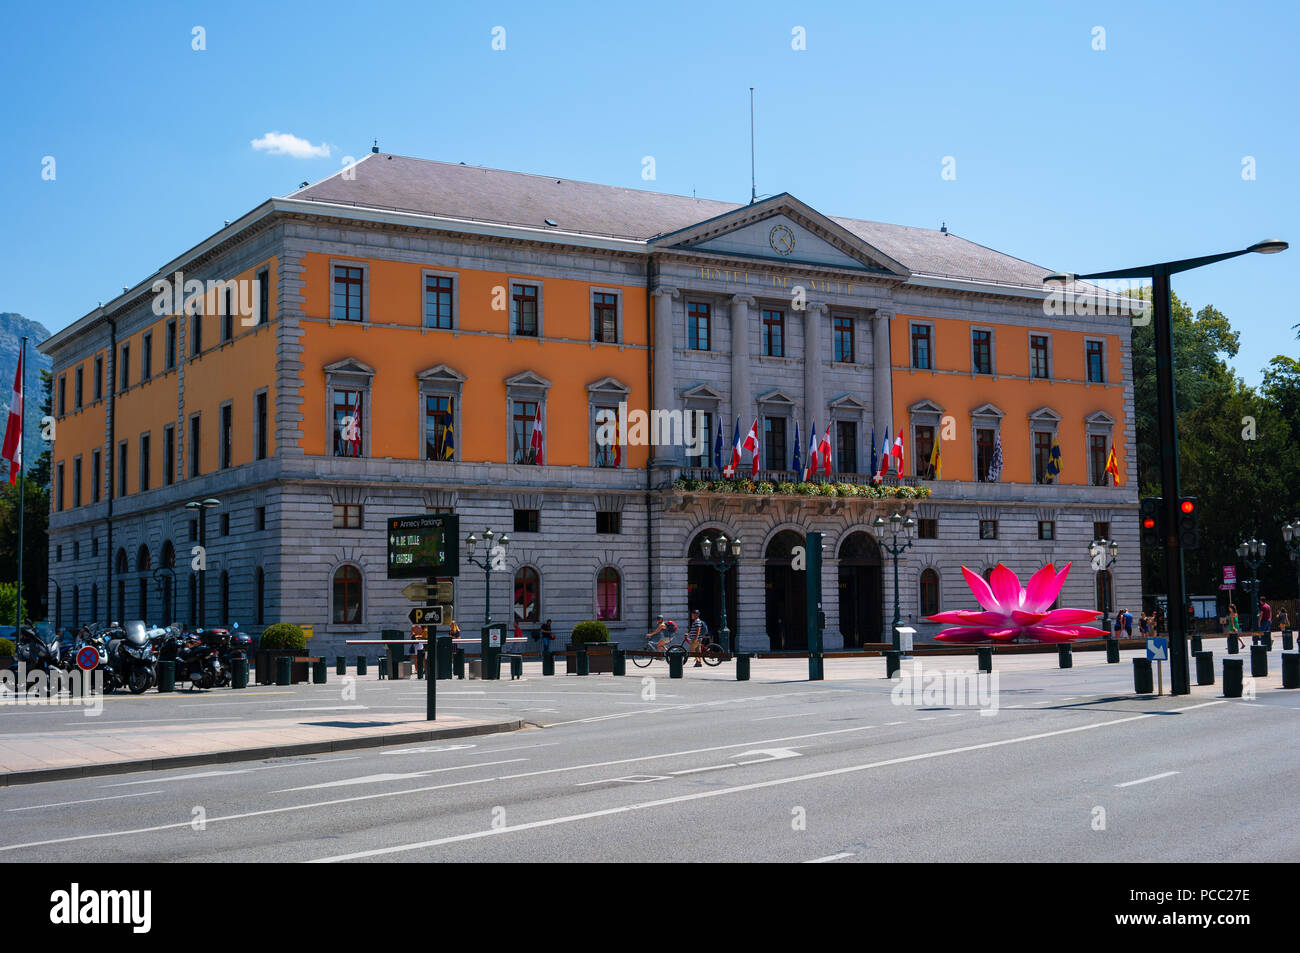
(253, 754)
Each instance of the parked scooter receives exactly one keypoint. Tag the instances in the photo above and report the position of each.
(197, 658)
(37, 649)
(131, 660)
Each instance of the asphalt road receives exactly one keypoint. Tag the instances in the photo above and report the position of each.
(709, 769)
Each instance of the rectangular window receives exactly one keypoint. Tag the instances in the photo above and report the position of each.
(773, 333)
(526, 521)
(259, 422)
(144, 462)
(146, 357)
(1097, 451)
(347, 516)
(924, 449)
(439, 432)
(1047, 529)
(706, 442)
(843, 326)
(195, 432)
(96, 475)
(121, 468)
(522, 422)
(981, 352)
(921, 352)
(1101, 530)
(225, 451)
(846, 446)
(124, 377)
(1096, 362)
(170, 343)
(607, 455)
(228, 316)
(349, 416)
(774, 455)
(76, 481)
(99, 378)
(988, 529)
(927, 529)
(699, 317)
(523, 317)
(983, 453)
(196, 333)
(77, 389)
(225, 524)
(604, 318)
(63, 394)
(263, 296)
(1038, 356)
(439, 301)
(346, 302)
(60, 487)
(609, 522)
(169, 455)
(1042, 455)
(261, 518)
(194, 531)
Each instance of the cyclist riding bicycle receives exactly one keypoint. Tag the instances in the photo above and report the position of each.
(669, 629)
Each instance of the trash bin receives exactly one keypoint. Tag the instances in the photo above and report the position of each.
(492, 639)
(620, 662)
(317, 671)
(985, 656)
(1204, 668)
(458, 663)
(239, 673)
(1232, 677)
(548, 663)
(816, 667)
(283, 670)
(676, 656)
(361, 665)
(167, 676)
(443, 651)
(1112, 650)
(1143, 681)
(892, 663)
(1259, 661)
(742, 666)
(1064, 655)
(340, 665)
(516, 666)
(583, 662)
(1291, 670)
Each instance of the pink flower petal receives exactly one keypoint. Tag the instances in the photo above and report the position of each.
(1027, 618)
(983, 594)
(1003, 635)
(1042, 633)
(1070, 616)
(958, 616)
(1006, 588)
(1042, 590)
(961, 635)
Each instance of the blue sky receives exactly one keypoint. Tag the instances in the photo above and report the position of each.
(1074, 158)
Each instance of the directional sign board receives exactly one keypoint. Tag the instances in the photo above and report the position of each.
(423, 546)
(1158, 650)
(1229, 577)
(425, 615)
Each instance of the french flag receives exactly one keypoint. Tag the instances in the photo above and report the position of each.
(812, 453)
(13, 445)
(730, 470)
(885, 451)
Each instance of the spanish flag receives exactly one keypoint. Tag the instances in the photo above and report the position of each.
(936, 460)
(1054, 461)
(1112, 466)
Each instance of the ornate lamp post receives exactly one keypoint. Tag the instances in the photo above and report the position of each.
(898, 527)
(1253, 552)
(489, 539)
(201, 507)
(722, 556)
(1104, 552)
(1291, 534)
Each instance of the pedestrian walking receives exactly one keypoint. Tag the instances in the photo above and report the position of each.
(547, 634)
(1283, 620)
(1144, 625)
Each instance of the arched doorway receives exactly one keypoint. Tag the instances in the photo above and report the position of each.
(786, 594)
(861, 607)
(704, 588)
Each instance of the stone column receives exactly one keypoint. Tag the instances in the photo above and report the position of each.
(662, 386)
(814, 397)
(742, 396)
(882, 378)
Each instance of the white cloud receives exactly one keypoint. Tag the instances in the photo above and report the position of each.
(287, 144)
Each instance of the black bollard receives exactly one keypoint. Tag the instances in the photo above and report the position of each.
(548, 663)
(1064, 655)
(1288, 642)
(892, 663)
(1267, 639)
(675, 660)
(283, 670)
(361, 665)
(458, 662)
(1143, 682)
(340, 665)
(816, 667)
(583, 662)
(517, 667)
(1204, 668)
(167, 676)
(239, 673)
(443, 652)
(1232, 678)
(1112, 651)
(620, 662)
(419, 663)
(1258, 661)
(1196, 644)
(1290, 670)
(318, 671)
(742, 666)
(984, 654)
(1234, 645)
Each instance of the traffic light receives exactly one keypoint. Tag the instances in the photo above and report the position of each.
(1151, 520)
(1189, 536)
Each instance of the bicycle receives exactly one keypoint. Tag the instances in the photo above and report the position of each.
(710, 652)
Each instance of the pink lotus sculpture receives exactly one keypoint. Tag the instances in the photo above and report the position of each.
(1012, 611)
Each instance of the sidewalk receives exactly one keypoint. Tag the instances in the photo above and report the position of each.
(50, 756)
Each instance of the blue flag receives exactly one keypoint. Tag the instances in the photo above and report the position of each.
(795, 467)
(717, 450)
(874, 461)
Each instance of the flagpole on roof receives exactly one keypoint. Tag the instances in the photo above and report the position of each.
(22, 371)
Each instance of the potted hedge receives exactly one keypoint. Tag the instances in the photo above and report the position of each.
(594, 637)
(283, 638)
(6, 653)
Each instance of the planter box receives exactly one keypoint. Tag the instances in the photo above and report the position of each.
(264, 665)
(600, 658)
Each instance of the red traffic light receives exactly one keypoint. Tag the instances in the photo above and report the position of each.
(1149, 523)
(1187, 506)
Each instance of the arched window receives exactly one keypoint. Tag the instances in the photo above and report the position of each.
(261, 596)
(120, 565)
(609, 594)
(143, 561)
(347, 594)
(528, 595)
(929, 592)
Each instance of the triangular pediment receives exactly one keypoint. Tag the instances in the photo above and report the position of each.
(776, 397)
(528, 379)
(608, 385)
(925, 407)
(783, 229)
(1045, 415)
(987, 410)
(848, 402)
(349, 365)
(1099, 417)
(701, 392)
(442, 374)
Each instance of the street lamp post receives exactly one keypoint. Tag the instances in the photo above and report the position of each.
(1291, 535)
(201, 507)
(485, 563)
(897, 527)
(1167, 419)
(1253, 552)
(1104, 552)
(722, 557)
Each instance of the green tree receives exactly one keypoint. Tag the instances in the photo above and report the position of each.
(36, 524)
(8, 594)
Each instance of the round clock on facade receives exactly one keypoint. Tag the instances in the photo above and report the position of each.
(781, 239)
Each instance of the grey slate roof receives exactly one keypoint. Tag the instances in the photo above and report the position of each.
(424, 186)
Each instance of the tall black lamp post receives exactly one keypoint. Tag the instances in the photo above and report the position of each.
(722, 556)
(1167, 419)
(200, 508)
(899, 528)
(1104, 552)
(489, 539)
(1253, 552)
(1291, 535)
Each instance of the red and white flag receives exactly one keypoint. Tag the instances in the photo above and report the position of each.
(13, 445)
(751, 444)
(812, 453)
(355, 440)
(538, 442)
(897, 453)
(824, 451)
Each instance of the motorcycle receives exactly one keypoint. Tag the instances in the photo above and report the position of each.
(37, 650)
(197, 658)
(131, 660)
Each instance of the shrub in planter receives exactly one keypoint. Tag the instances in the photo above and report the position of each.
(590, 631)
(6, 649)
(787, 488)
(805, 488)
(283, 635)
(846, 489)
(766, 487)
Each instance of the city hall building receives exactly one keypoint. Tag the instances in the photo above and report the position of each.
(384, 343)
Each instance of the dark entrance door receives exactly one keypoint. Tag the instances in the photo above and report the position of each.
(704, 590)
(860, 590)
(786, 594)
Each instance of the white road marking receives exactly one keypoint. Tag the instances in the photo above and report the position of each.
(427, 750)
(88, 800)
(720, 792)
(1154, 777)
(326, 708)
(829, 859)
(378, 778)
